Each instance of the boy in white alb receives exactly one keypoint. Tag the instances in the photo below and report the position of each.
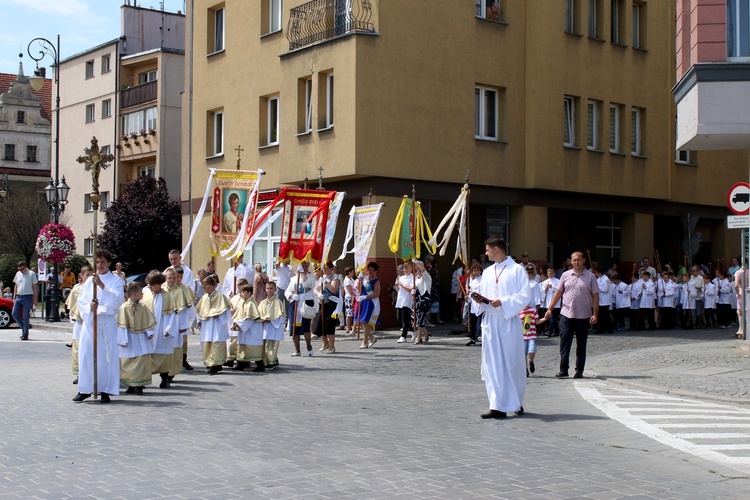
(159, 302)
(75, 317)
(214, 315)
(135, 332)
(271, 311)
(246, 324)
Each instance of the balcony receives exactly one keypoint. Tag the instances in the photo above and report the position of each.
(321, 20)
(133, 96)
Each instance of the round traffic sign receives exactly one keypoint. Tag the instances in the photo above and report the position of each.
(738, 198)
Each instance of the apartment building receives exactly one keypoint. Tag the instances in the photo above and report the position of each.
(560, 111)
(126, 93)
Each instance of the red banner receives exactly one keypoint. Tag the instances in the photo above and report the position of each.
(304, 224)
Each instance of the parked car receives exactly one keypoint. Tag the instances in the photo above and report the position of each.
(139, 278)
(6, 306)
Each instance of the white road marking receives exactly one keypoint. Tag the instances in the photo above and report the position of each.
(609, 400)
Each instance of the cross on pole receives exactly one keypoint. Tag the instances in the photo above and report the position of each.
(320, 178)
(239, 150)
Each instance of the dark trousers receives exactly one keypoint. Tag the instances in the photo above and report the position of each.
(724, 312)
(550, 328)
(569, 328)
(645, 315)
(666, 318)
(405, 315)
(474, 325)
(620, 315)
(604, 321)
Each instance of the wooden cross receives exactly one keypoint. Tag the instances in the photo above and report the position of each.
(239, 150)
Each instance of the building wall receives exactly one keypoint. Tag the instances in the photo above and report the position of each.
(144, 29)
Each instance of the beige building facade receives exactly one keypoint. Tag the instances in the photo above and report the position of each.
(560, 111)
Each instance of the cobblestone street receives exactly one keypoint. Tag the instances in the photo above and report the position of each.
(396, 420)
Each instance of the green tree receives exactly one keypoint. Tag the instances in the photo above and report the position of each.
(21, 218)
(142, 226)
(76, 262)
(9, 267)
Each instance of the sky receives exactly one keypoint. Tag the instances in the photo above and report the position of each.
(81, 24)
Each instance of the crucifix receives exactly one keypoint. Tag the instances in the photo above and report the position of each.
(94, 161)
(320, 178)
(239, 150)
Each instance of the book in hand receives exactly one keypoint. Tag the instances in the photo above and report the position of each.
(480, 298)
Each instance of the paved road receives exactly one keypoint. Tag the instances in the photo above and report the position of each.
(393, 421)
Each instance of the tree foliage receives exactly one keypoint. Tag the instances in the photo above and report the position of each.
(8, 268)
(142, 226)
(76, 262)
(21, 218)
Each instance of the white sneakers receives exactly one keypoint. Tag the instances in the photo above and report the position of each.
(294, 355)
(401, 340)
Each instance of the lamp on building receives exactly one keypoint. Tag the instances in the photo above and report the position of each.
(56, 192)
(4, 188)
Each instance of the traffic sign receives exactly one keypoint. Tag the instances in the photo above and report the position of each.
(738, 198)
(738, 221)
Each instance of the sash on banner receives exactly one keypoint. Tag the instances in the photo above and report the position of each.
(233, 210)
(333, 218)
(410, 227)
(304, 224)
(456, 217)
(361, 227)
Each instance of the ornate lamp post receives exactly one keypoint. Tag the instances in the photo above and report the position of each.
(56, 192)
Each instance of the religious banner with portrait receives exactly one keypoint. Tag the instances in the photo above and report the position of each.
(304, 224)
(232, 207)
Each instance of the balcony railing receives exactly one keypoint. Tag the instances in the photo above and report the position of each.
(139, 94)
(321, 20)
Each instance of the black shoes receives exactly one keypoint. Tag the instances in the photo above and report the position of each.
(494, 414)
(532, 368)
(130, 390)
(213, 370)
(260, 367)
(578, 375)
(561, 374)
(80, 397)
(520, 412)
(24, 337)
(185, 363)
(75, 382)
(105, 398)
(471, 342)
(229, 364)
(134, 390)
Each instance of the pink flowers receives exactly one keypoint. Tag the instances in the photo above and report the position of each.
(55, 243)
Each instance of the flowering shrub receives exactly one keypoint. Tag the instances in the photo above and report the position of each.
(55, 243)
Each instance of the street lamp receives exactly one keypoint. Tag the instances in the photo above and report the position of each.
(56, 192)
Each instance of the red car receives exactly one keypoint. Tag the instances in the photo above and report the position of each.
(6, 306)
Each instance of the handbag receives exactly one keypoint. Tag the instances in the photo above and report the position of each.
(308, 309)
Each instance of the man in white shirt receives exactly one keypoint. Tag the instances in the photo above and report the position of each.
(175, 260)
(549, 287)
(238, 271)
(647, 293)
(24, 292)
(604, 322)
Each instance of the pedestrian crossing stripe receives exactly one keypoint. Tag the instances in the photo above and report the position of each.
(657, 422)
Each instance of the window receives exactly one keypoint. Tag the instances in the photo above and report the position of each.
(89, 69)
(266, 246)
(90, 113)
(594, 112)
(489, 9)
(684, 156)
(147, 171)
(614, 128)
(88, 247)
(216, 30)
(144, 119)
(10, 152)
(103, 202)
(31, 154)
(21, 117)
(608, 236)
(106, 108)
(616, 20)
(105, 150)
(486, 111)
(106, 67)
(594, 18)
(570, 13)
(147, 76)
(639, 25)
(325, 101)
(738, 28)
(275, 15)
(304, 105)
(636, 131)
(569, 133)
(271, 136)
(216, 123)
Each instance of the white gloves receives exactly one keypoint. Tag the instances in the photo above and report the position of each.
(295, 297)
(360, 298)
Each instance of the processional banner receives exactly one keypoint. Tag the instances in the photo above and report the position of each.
(233, 208)
(410, 230)
(361, 228)
(303, 228)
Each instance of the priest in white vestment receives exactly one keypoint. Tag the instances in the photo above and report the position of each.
(505, 285)
(109, 298)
